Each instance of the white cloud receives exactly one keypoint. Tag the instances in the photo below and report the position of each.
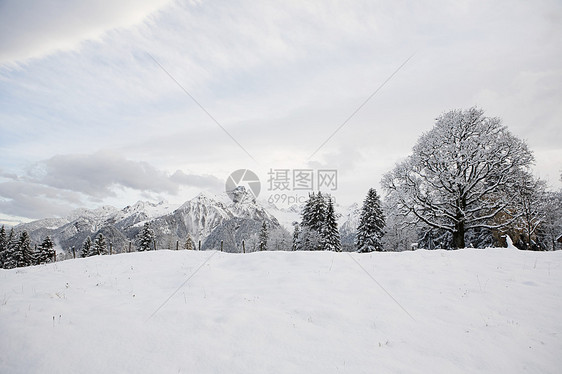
(54, 186)
(278, 76)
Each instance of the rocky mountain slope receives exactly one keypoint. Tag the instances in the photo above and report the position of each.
(199, 217)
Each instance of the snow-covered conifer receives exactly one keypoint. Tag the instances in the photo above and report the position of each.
(371, 224)
(330, 233)
(296, 234)
(24, 254)
(10, 256)
(318, 215)
(46, 252)
(313, 222)
(307, 210)
(263, 237)
(100, 246)
(310, 240)
(86, 247)
(189, 244)
(146, 238)
(3, 246)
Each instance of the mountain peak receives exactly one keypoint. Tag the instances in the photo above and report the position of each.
(241, 195)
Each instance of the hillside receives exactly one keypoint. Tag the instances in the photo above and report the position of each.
(467, 311)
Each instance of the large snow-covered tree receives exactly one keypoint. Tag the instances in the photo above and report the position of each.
(460, 175)
(371, 224)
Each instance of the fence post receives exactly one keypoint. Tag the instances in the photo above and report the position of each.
(177, 245)
(221, 245)
(199, 244)
(243, 247)
(73, 252)
(129, 250)
(110, 248)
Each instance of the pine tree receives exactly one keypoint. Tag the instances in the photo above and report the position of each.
(86, 248)
(10, 258)
(307, 210)
(189, 244)
(330, 232)
(100, 246)
(23, 253)
(46, 251)
(145, 238)
(313, 221)
(371, 224)
(3, 246)
(296, 234)
(264, 235)
(318, 216)
(310, 240)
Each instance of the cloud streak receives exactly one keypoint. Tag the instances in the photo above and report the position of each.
(98, 174)
(34, 29)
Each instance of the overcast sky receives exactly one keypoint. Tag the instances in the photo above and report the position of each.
(88, 117)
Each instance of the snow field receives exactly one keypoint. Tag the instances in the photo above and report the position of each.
(472, 311)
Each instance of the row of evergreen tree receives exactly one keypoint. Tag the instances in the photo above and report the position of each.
(318, 229)
(145, 242)
(97, 247)
(17, 251)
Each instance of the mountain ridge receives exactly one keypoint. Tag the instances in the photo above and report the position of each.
(208, 219)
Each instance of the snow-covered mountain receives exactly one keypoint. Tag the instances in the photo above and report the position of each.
(198, 217)
(285, 216)
(207, 219)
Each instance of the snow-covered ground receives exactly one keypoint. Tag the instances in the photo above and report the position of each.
(467, 311)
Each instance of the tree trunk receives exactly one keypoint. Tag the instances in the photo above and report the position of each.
(458, 236)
